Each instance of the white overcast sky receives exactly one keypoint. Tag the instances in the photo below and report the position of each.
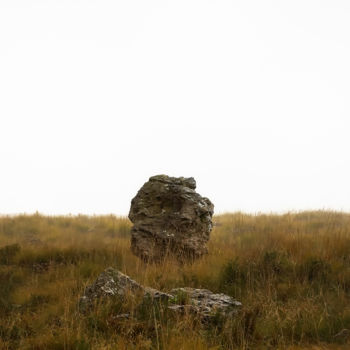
(252, 98)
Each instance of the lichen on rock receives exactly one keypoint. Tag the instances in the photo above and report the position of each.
(113, 283)
(170, 217)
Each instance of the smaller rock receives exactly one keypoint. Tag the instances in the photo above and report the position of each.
(32, 240)
(41, 267)
(343, 335)
(204, 302)
(121, 316)
(201, 302)
(112, 282)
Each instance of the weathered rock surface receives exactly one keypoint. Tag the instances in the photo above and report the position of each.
(201, 302)
(205, 303)
(169, 216)
(112, 282)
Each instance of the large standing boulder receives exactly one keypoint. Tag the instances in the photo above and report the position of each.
(169, 216)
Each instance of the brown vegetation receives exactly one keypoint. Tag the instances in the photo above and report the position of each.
(291, 272)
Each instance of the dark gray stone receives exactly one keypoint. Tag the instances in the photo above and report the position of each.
(170, 217)
(205, 303)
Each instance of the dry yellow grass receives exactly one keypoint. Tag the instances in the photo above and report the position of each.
(291, 272)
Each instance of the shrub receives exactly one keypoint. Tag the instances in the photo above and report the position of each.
(8, 252)
(276, 264)
(233, 277)
(315, 270)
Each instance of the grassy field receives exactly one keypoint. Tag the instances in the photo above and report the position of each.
(291, 272)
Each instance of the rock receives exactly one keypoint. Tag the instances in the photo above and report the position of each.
(41, 267)
(32, 240)
(169, 216)
(201, 302)
(343, 335)
(112, 282)
(205, 303)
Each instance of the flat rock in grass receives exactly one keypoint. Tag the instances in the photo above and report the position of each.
(112, 282)
(204, 302)
(169, 216)
(201, 302)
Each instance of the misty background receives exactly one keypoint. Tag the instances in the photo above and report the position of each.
(249, 97)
